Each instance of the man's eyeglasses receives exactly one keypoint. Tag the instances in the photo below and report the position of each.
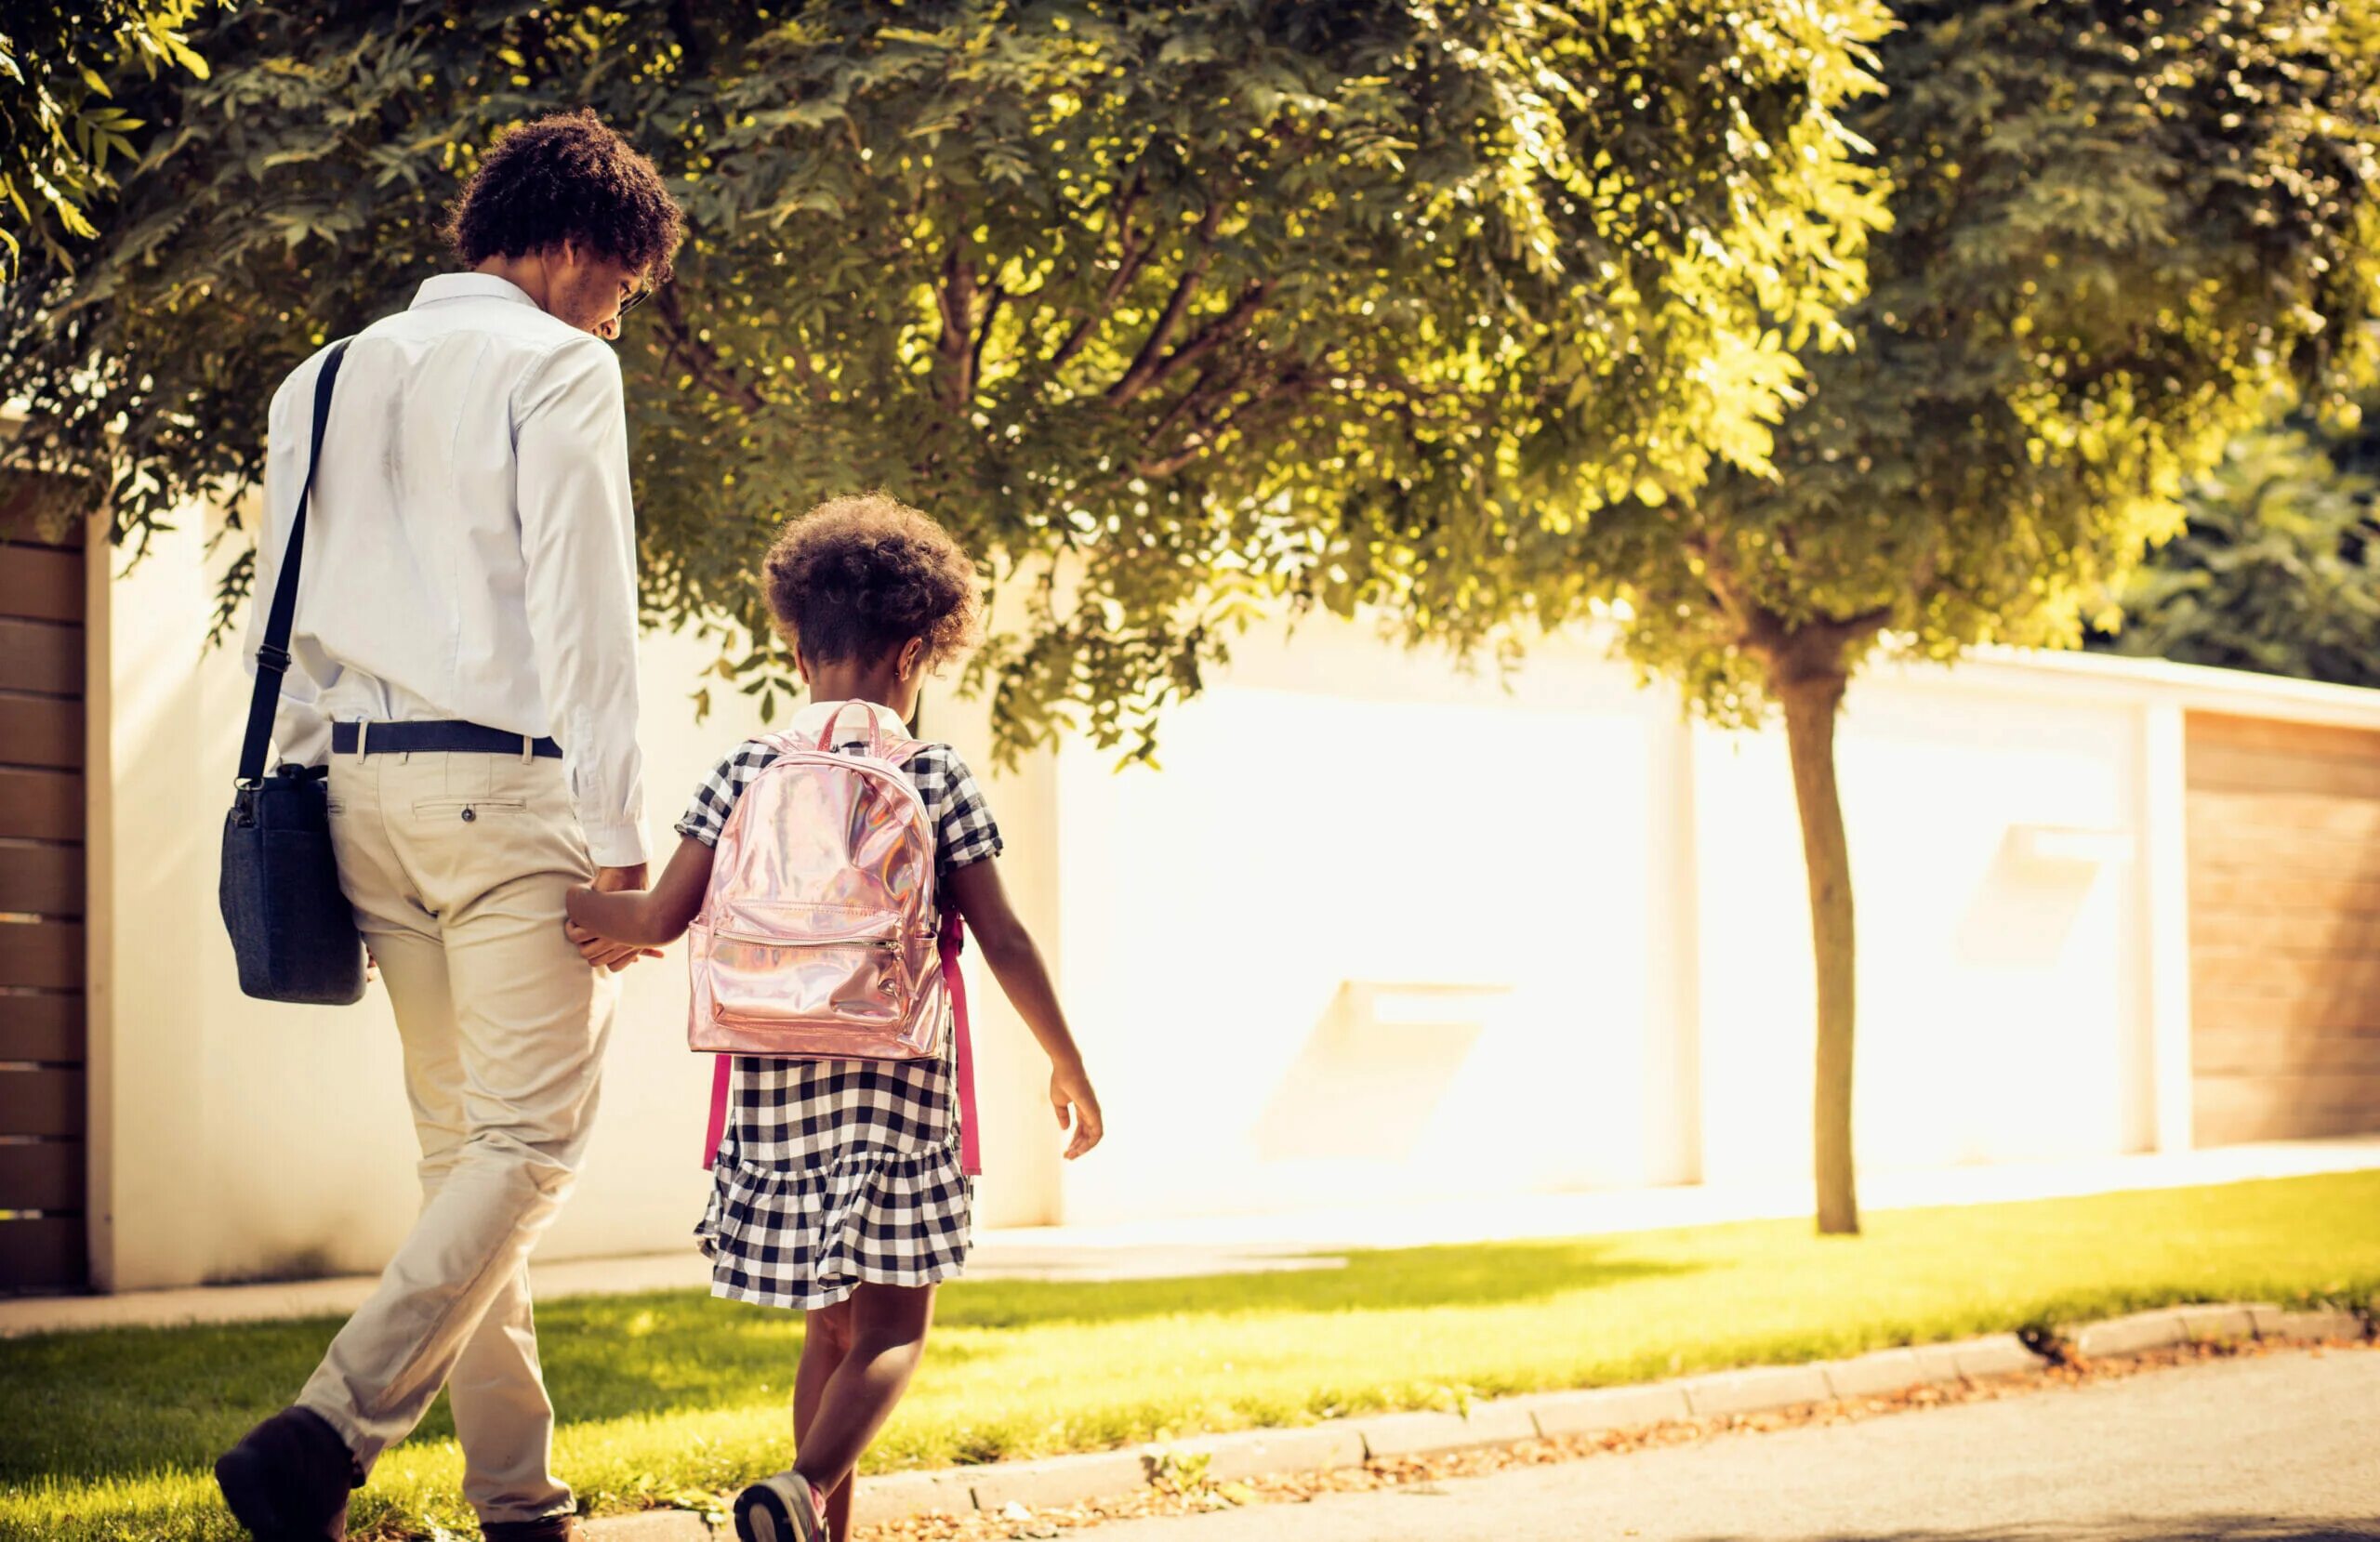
(635, 298)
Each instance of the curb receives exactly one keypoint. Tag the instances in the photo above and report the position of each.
(1057, 1480)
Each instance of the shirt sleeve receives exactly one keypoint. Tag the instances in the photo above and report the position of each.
(300, 731)
(706, 817)
(965, 832)
(578, 541)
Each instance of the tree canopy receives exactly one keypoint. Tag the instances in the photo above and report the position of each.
(2278, 566)
(1166, 306)
(59, 129)
(2115, 232)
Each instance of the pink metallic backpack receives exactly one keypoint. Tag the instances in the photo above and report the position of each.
(818, 936)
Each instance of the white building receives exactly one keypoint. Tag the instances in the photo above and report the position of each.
(1379, 928)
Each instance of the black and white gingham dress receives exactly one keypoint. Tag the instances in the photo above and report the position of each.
(832, 1173)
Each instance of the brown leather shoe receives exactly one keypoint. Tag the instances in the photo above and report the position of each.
(552, 1528)
(288, 1478)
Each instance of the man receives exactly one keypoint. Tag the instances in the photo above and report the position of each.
(464, 660)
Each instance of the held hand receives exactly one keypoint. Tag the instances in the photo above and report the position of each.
(601, 952)
(1070, 1088)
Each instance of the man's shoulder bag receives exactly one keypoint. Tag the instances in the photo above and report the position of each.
(291, 926)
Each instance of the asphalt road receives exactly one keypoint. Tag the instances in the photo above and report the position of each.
(2273, 1448)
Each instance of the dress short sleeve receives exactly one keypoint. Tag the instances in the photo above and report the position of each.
(964, 830)
(706, 817)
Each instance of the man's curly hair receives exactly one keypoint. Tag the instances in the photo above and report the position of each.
(857, 577)
(567, 178)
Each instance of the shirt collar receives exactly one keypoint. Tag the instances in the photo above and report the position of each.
(468, 287)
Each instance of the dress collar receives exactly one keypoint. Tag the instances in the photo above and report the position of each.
(812, 720)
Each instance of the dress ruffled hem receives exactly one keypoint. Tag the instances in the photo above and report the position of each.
(805, 1237)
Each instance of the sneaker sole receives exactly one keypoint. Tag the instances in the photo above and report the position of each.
(762, 1516)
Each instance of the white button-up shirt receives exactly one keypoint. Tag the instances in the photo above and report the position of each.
(471, 550)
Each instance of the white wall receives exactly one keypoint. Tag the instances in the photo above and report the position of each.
(1339, 811)
(1999, 1007)
(1474, 861)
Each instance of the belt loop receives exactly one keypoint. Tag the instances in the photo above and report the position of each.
(362, 735)
(528, 748)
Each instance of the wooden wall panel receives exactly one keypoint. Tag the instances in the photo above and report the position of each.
(41, 805)
(43, 1025)
(2284, 860)
(40, 878)
(44, 1175)
(41, 657)
(44, 954)
(41, 731)
(41, 1252)
(48, 1101)
(41, 583)
(43, 1032)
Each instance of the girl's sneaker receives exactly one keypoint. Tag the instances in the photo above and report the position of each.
(780, 1508)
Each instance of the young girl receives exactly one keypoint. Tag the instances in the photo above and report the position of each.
(837, 1186)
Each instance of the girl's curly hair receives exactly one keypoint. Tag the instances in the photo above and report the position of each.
(858, 576)
(567, 178)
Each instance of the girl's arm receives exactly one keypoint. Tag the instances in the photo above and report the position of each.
(1016, 964)
(645, 918)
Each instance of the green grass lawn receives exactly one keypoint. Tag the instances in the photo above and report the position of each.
(675, 1396)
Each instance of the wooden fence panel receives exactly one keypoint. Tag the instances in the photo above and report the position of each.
(2283, 832)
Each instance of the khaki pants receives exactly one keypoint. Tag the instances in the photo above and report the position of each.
(457, 866)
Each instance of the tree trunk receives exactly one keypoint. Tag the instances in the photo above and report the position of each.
(1812, 699)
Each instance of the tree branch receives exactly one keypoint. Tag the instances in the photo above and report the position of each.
(1142, 372)
(1215, 333)
(955, 296)
(999, 296)
(1211, 426)
(701, 359)
(1132, 254)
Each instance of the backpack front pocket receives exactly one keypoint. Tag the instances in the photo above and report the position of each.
(762, 981)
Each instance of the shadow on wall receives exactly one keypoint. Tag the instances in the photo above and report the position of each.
(1374, 1071)
(2023, 914)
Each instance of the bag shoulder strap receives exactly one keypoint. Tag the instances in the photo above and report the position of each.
(272, 653)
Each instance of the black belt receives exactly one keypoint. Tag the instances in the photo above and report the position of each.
(432, 737)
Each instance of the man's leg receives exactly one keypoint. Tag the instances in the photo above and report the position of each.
(530, 1019)
(502, 1417)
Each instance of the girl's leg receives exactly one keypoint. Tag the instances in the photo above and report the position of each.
(825, 1338)
(888, 1336)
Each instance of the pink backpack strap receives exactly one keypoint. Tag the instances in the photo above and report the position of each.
(721, 1075)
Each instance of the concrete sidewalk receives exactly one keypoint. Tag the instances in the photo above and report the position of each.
(2268, 1449)
(1304, 1239)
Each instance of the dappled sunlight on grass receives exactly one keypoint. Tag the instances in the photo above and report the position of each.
(674, 1394)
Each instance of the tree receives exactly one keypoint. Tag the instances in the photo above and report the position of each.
(2278, 566)
(2115, 232)
(59, 130)
(1138, 296)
